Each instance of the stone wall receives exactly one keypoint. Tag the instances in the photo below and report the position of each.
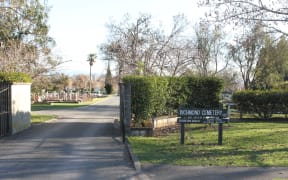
(164, 122)
(162, 126)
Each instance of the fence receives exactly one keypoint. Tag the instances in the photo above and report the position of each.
(62, 97)
(5, 109)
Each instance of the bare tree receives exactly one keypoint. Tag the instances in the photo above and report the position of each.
(170, 48)
(80, 81)
(127, 42)
(209, 42)
(140, 48)
(245, 53)
(272, 13)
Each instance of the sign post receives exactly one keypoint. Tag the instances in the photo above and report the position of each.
(182, 133)
(220, 133)
(206, 116)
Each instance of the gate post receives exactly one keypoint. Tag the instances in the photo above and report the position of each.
(220, 133)
(5, 109)
(125, 109)
(122, 111)
(182, 133)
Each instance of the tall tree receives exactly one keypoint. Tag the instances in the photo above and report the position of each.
(140, 48)
(272, 66)
(25, 44)
(91, 59)
(245, 53)
(209, 42)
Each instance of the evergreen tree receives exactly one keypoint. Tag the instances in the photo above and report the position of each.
(272, 66)
(108, 80)
(24, 40)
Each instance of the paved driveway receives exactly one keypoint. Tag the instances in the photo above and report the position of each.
(81, 144)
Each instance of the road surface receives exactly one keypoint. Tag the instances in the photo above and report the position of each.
(81, 144)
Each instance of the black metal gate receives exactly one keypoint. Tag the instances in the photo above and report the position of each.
(5, 109)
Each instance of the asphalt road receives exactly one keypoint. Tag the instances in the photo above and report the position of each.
(81, 144)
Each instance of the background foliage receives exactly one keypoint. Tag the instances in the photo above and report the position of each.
(14, 77)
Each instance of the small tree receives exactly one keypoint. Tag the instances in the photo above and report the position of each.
(109, 88)
(108, 80)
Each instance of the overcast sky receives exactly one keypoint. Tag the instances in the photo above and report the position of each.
(78, 27)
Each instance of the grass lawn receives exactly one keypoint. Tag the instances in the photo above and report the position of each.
(236, 115)
(55, 106)
(37, 118)
(244, 144)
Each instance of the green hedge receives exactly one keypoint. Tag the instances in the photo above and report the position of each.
(194, 92)
(14, 77)
(164, 95)
(148, 94)
(263, 103)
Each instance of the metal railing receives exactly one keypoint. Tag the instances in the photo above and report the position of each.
(5, 109)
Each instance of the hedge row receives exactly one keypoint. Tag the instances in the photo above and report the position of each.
(14, 77)
(264, 103)
(164, 95)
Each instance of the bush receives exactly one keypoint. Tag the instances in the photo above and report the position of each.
(264, 103)
(149, 96)
(14, 77)
(203, 92)
(141, 96)
(194, 92)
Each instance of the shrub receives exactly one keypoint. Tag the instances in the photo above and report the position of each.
(141, 96)
(14, 77)
(203, 92)
(263, 103)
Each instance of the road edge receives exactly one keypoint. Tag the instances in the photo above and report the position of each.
(135, 160)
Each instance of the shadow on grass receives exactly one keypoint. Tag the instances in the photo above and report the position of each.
(243, 145)
(208, 157)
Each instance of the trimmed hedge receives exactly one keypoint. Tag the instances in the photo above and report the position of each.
(14, 77)
(264, 103)
(148, 94)
(164, 95)
(194, 92)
